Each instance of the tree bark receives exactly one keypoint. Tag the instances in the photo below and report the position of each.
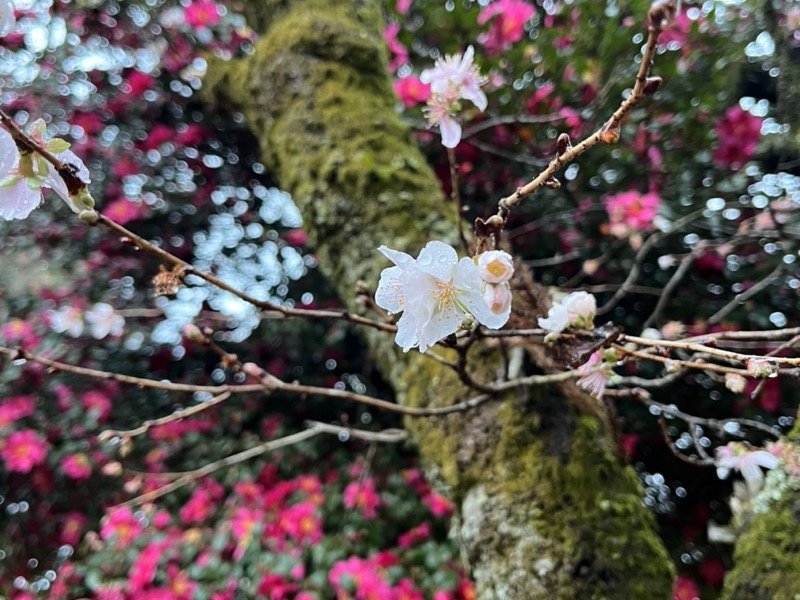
(547, 510)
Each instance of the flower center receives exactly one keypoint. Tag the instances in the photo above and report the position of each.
(445, 294)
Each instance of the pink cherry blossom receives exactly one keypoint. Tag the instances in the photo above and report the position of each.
(594, 378)
(736, 456)
(23, 450)
(508, 19)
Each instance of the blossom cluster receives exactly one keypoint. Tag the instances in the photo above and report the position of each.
(738, 457)
(23, 175)
(631, 212)
(437, 292)
(575, 310)
(452, 79)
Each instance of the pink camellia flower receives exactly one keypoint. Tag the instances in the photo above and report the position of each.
(17, 330)
(124, 211)
(402, 6)
(631, 212)
(439, 505)
(738, 133)
(301, 522)
(23, 450)
(405, 590)
(736, 456)
(22, 176)
(121, 526)
(202, 13)
(143, 570)
(508, 24)
(410, 538)
(398, 50)
(411, 90)
(77, 466)
(685, 588)
(198, 508)
(14, 408)
(361, 574)
(362, 496)
(98, 404)
(72, 525)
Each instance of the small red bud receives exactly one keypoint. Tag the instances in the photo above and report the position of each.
(609, 135)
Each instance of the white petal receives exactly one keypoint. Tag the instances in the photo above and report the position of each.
(53, 179)
(389, 295)
(476, 96)
(469, 286)
(557, 319)
(451, 132)
(18, 200)
(723, 472)
(9, 155)
(442, 323)
(406, 336)
(438, 259)
(762, 458)
(401, 259)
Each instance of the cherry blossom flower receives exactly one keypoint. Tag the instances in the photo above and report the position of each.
(508, 19)
(575, 310)
(67, 319)
(594, 379)
(22, 176)
(436, 293)
(452, 79)
(497, 298)
(104, 321)
(23, 450)
(496, 266)
(7, 20)
(736, 456)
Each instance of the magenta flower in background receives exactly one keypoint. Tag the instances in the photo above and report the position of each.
(362, 495)
(14, 408)
(738, 133)
(23, 450)
(77, 466)
(121, 525)
(398, 50)
(411, 90)
(202, 14)
(508, 19)
(631, 212)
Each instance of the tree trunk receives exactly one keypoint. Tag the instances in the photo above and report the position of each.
(547, 510)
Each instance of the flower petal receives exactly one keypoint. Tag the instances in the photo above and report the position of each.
(469, 286)
(18, 199)
(389, 295)
(438, 260)
(9, 155)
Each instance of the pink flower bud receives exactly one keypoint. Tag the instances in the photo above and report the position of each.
(497, 298)
(495, 266)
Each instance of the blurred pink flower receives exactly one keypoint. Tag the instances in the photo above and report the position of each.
(143, 570)
(411, 90)
(737, 456)
(402, 6)
(362, 496)
(202, 13)
(14, 408)
(77, 466)
(439, 505)
(198, 507)
(594, 380)
(413, 536)
(122, 526)
(301, 522)
(631, 212)
(17, 330)
(72, 525)
(685, 588)
(124, 211)
(23, 450)
(97, 403)
(508, 24)
(738, 134)
(398, 51)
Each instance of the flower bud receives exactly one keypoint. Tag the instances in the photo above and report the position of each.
(497, 298)
(495, 266)
(192, 333)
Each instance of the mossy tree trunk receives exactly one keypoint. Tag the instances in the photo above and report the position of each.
(547, 509)
(767, 553)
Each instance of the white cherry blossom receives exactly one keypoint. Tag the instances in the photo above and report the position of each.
(103, 321)
(7, 17)
(496, 266)
(736, 456)
(436, 293)
(578, 310)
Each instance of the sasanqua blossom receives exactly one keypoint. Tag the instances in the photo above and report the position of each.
(436, 293)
